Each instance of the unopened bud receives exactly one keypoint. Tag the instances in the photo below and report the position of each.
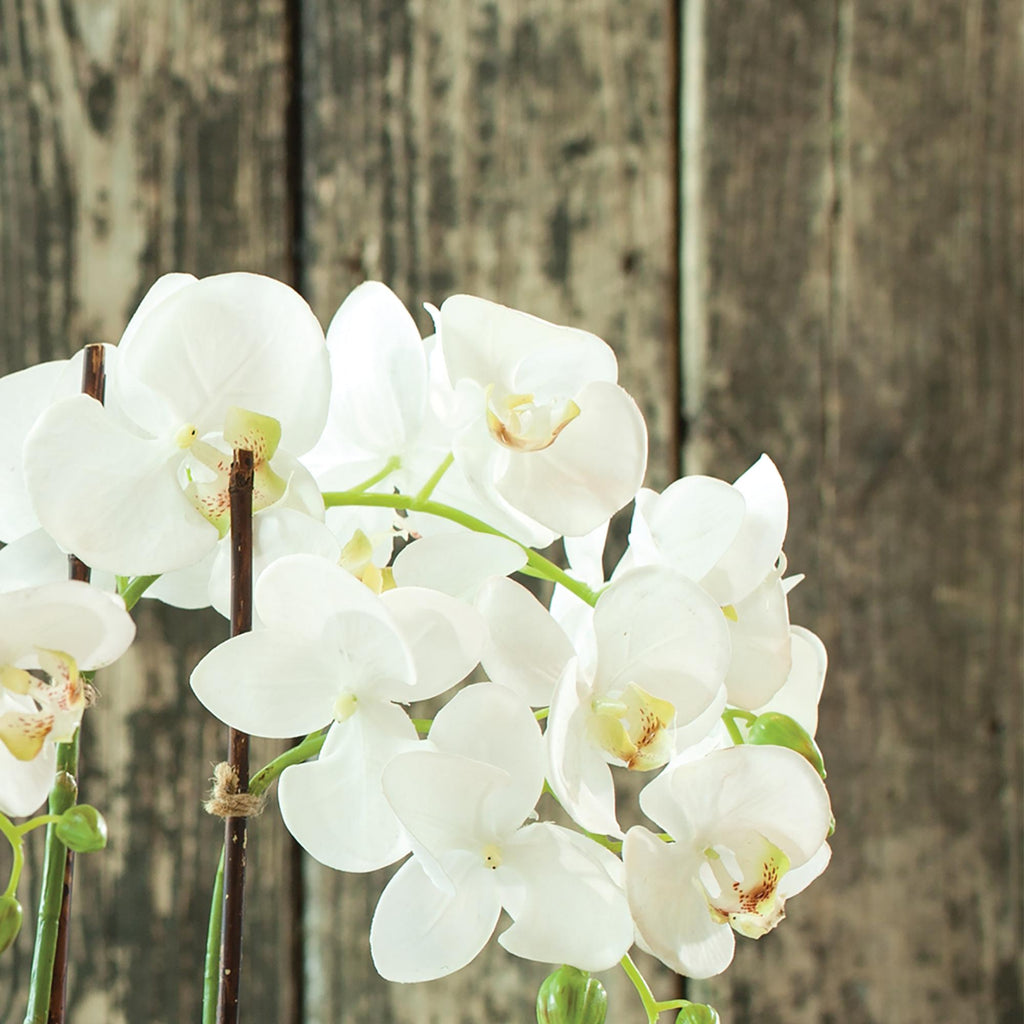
(779, 730)
(697, 1013)
(10, 921)
(82, 829)
(571, 996)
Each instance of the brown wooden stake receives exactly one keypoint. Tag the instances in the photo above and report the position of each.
(240, 492)
(94, 383)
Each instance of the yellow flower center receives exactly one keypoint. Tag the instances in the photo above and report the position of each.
(633, 728)
(520, 423)
(59, 701)
(748, 896)
(492, 856)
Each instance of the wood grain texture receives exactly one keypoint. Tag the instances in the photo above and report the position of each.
(136, 139)
(523, 152)
(864, 231)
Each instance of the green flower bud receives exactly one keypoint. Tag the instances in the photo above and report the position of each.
(697, 1013)
(82, 829)
(779, 730)
(10, 921)
(571, 996)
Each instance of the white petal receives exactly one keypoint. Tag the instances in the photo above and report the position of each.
(75, 618)
(32, 559)
(487, 342)
(448, 803)
(420, 933)
(24, 785)
(270, 683)
(492, 724)
(189, 587)
(661, 631)
(689, 526)
(335, 806)
(801, 692)
(513, 614)
(761, 648)
(134, 518)
(585, 555)
(756, 548)
(797, 879)
(379, 371)
(444, 636)
(670, 908)
(567, 908)
(456, 563)
(593, 468)
(577, 770)
(230, 340)
(769, 790)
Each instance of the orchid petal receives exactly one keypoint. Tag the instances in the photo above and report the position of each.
(801, 692)
(761, 648)
(137, 520)
(457, 563)
(561, 893)
(335, 806)
(230, 340)
(512, 613)
(270, 683)
(670, 908)
(593, 468)
(420, 932)
(444, 636)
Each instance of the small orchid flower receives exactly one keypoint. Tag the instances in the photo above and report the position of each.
(48, 635)
(749, 825)
(728, 538)
(329, 651)
(545, 429)
(464, 804)
(233, 360)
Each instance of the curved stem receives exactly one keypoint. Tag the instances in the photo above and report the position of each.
(389, 467)
(135, 588)
(643, 990)
(536, 563)
(435, 478)
(729, 716)
(13, 836)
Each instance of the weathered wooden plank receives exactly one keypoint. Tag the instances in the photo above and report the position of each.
(525, 153)
(863, 229)
(136, 139)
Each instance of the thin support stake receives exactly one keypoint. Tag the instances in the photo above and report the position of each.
(240, 492)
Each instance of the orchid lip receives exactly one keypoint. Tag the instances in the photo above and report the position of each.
(522, 424)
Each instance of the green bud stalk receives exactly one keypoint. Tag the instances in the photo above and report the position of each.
(571, 996)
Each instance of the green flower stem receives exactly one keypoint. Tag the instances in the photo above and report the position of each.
(730, 715)
(389, 467)
(12, 835)
(423, 725)
(536, 564)
(258, 785)
(643, 990)
(135, 588)
(435, 478)
(62, 796)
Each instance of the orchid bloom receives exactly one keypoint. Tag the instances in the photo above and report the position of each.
(545, 429)
(647, 680)
(748, 826)
(728, 538)
(464, 804)
(329, 651)
(235, 360)
(48, 635)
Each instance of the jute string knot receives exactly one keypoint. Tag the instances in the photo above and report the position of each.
(225, 801)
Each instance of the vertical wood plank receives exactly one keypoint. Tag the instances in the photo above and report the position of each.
(136, 139)
(521, 151)
(864, 230)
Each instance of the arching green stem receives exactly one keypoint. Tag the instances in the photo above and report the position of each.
(389, 467)
(730, 715)
(135, 588)
(435, 478)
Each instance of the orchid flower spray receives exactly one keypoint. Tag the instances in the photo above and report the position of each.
(457, 729)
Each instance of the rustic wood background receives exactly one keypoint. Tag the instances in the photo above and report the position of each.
(798, 222)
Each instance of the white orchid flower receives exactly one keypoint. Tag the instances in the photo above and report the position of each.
(329, 651)
(235, 360)
(58, 630)
(546, 430)
(644, 681)
(728, 538)
(749, 825)
(464, 804)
